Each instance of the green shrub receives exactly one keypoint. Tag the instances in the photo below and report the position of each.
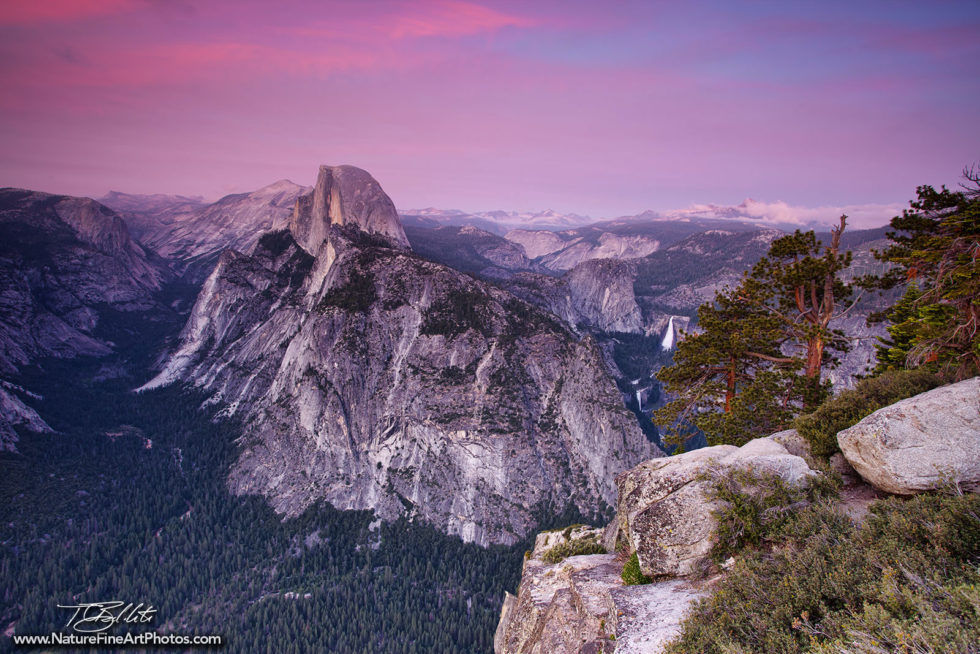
(848, 407)
(905, 581)
(631, 572)
(757, 506)
(575, 547)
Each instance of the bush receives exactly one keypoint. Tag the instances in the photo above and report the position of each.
(757, 506)
(575, 547)
(631, 572)
(848, 407)
(905, 581)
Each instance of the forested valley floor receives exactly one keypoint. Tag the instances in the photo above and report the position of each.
(128, 502)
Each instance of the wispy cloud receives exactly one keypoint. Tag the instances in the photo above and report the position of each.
(861, 216)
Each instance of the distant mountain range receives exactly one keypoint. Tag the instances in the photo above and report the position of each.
(497, 222)
(192, 234)
(304, 295)
(779, 215)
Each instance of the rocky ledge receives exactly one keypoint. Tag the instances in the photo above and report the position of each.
(580, 604)
(666, 516)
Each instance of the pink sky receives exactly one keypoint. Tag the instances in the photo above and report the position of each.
(513, 105)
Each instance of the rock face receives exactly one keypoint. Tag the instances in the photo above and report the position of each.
(596, 295)
(64, 261)
(920, 443)
(581, 605)
(561, 251)
(146, 215)
(345, 195)
(664, 516)
(664, 511)
(537, 243)
(13, 412)
(469, 249)
(372, 378)
(191, 235)
(601, 293)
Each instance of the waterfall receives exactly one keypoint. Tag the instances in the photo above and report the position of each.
(668, 341)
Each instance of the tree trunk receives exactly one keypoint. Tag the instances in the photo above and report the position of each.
(730, 387)
(814, 356)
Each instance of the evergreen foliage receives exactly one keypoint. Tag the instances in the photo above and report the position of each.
(129, 502)
(632, 576)
(355, 296)
(757, 359)
(800, 283)
(906, 580)
(935, 246)
(755, 506)
(721, 387)
(456, 312)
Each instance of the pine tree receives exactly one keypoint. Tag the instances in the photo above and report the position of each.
(936, 246)
(799, 282)
(892, 352)
(757, 359)
(717, 377)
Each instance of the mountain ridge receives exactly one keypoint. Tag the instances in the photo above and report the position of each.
(373, 378)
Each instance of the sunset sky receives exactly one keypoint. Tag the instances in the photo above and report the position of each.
(576, 106)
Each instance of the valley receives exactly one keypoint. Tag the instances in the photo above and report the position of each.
(341, 417)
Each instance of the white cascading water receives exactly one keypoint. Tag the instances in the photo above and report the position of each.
(668, 341)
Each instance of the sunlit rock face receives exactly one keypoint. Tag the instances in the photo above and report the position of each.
(371, 378)
(345, 195)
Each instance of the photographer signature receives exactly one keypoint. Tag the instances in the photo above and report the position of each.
(93, 617)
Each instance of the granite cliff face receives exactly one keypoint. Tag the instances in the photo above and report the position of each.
(63, 262)
(345, 195)
(596, 295)
(191, 235)
(372, 378)
(564, 250)
(146, 215)
(15, 413)
(66, 265)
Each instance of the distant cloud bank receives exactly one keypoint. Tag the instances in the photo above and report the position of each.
(860, 216)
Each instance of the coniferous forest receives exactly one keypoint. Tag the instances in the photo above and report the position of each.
(129, 502)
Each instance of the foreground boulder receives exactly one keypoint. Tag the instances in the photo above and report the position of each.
(665, 512)
(921, 443)
(580, 605)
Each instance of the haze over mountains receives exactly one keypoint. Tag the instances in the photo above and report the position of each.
(309, 361)
(317, 321)
(193, 234)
